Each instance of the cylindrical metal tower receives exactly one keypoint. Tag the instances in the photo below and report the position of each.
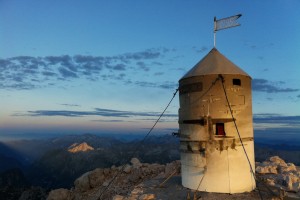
(212, 156)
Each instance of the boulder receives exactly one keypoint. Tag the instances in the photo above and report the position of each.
(278, 161)
(156, 168)
(290, 181)
(135, 176)
(127, 169)
(59, 194)
(137, 191)
(276, 172)
(270, 181)
(296, 186)
(83, 182)
(96, 177)
(145, 171)
(268, 169)
(106, 171)
(118, 197)
(275, 165)
(147, 197)
(135, 163)
(290, 167)
(106, 183)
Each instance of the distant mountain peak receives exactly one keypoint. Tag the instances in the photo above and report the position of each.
(82, 147)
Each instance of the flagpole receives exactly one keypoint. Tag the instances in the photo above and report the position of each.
(215, 27)
(225, 23)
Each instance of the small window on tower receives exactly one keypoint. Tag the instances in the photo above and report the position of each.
(220, 130)
(236, 81)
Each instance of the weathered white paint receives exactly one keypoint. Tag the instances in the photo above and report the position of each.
(218, 162)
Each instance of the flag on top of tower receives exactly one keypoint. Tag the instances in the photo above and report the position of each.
(227, 22)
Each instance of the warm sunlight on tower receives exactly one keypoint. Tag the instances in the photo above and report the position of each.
(216, 105)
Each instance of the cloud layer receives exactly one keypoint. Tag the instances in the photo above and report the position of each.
(276, 123)
(269, 120)
(263, 85)
(26, 72)
(96, 112)
(276, 119)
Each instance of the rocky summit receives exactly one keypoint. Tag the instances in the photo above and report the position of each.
(82, 147)
(96, 183)
(276, 180)
(275, 172)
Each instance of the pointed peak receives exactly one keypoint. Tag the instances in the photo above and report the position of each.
(74, 148)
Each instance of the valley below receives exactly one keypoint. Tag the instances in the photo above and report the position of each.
(30, 169)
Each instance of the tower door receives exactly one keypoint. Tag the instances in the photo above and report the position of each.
(220, 130)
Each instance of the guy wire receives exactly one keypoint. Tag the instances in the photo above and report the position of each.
(137, 147)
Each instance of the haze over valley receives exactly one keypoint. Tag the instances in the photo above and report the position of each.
(83, 82)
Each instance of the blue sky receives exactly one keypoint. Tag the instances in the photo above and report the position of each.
(112, 66)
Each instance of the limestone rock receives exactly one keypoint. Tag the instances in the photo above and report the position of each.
(59, 194)
(288, 168)
(137, 191)
(106, 183)
(277, 160)
(118, 197)
(135, 163)
(96, 177)
(296, 186)
(270, 181)
(276, 172)
(83, 182)
(106, 171)
(135, 176)
(127, 169)
(147, 197)
(129, 183)
(268, 169)
(173, 167)
(290, 181)
(275, 165)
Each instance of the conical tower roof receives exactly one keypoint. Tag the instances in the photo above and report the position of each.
(214, 63)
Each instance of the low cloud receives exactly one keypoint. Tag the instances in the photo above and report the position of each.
(275, 118)
(260, 57)
(18, 72)
(158, 73)
(200, 50)
(27, 73)
(69, 105)
(96, 112)
(164, 85)
(143, 66)
(275, 122)
(118, 67)
(66, 73)
(105, 120)
(20, 86)
(259, 46)
(263, 85)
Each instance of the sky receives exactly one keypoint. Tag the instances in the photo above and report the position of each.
(112, 66)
